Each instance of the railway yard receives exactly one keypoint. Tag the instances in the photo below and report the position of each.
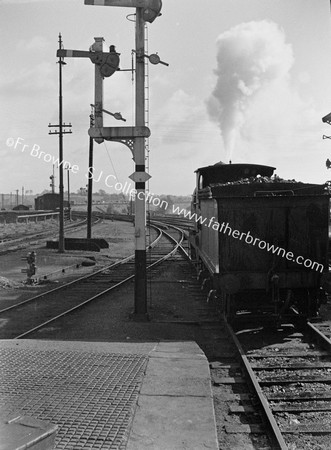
(192, 312)
(262, 386)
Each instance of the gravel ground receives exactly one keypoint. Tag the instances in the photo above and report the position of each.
(120, 236)
(15, 230)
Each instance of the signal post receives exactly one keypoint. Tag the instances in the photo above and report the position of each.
(134, 138)
(140, 176)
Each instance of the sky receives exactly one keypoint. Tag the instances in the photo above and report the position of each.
(247, 81)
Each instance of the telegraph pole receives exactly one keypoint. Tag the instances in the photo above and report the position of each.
(68, 168)
(61, 225)
(90, 182)
(61, 132)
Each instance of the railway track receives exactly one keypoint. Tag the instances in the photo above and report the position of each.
(278, 386)
(289, 375)
(22, 319)
(13, 244)
(172, 219)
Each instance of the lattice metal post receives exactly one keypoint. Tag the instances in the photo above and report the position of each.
(139, 157)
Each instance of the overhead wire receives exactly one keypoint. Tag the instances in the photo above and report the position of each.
(110, 159)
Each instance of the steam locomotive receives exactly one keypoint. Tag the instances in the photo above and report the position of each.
(260, 243)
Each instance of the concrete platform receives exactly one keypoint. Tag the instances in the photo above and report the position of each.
(111, 395)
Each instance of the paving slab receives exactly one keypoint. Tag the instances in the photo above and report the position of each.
(175, 406)
(176, 376)
(173, 423)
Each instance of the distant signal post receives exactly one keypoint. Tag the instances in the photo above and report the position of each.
(106, 64)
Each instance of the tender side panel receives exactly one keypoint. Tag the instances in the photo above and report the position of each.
(258, 233)
(208, 237)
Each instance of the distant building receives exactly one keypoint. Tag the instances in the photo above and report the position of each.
(21, 208)
(48, 202)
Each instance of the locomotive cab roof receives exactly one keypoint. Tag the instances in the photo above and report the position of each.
(225, 173)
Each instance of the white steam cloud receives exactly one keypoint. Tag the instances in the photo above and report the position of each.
(250, 57)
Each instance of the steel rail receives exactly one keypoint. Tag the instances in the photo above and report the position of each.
(160, 260)
(64, 286)
(171, 220)
(276, 433)
(323, 340)
(180, 230)
(41, 234)
(77, 280)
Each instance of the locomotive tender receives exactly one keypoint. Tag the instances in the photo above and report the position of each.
(260, 243)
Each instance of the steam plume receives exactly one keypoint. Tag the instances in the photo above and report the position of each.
(250, 57)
